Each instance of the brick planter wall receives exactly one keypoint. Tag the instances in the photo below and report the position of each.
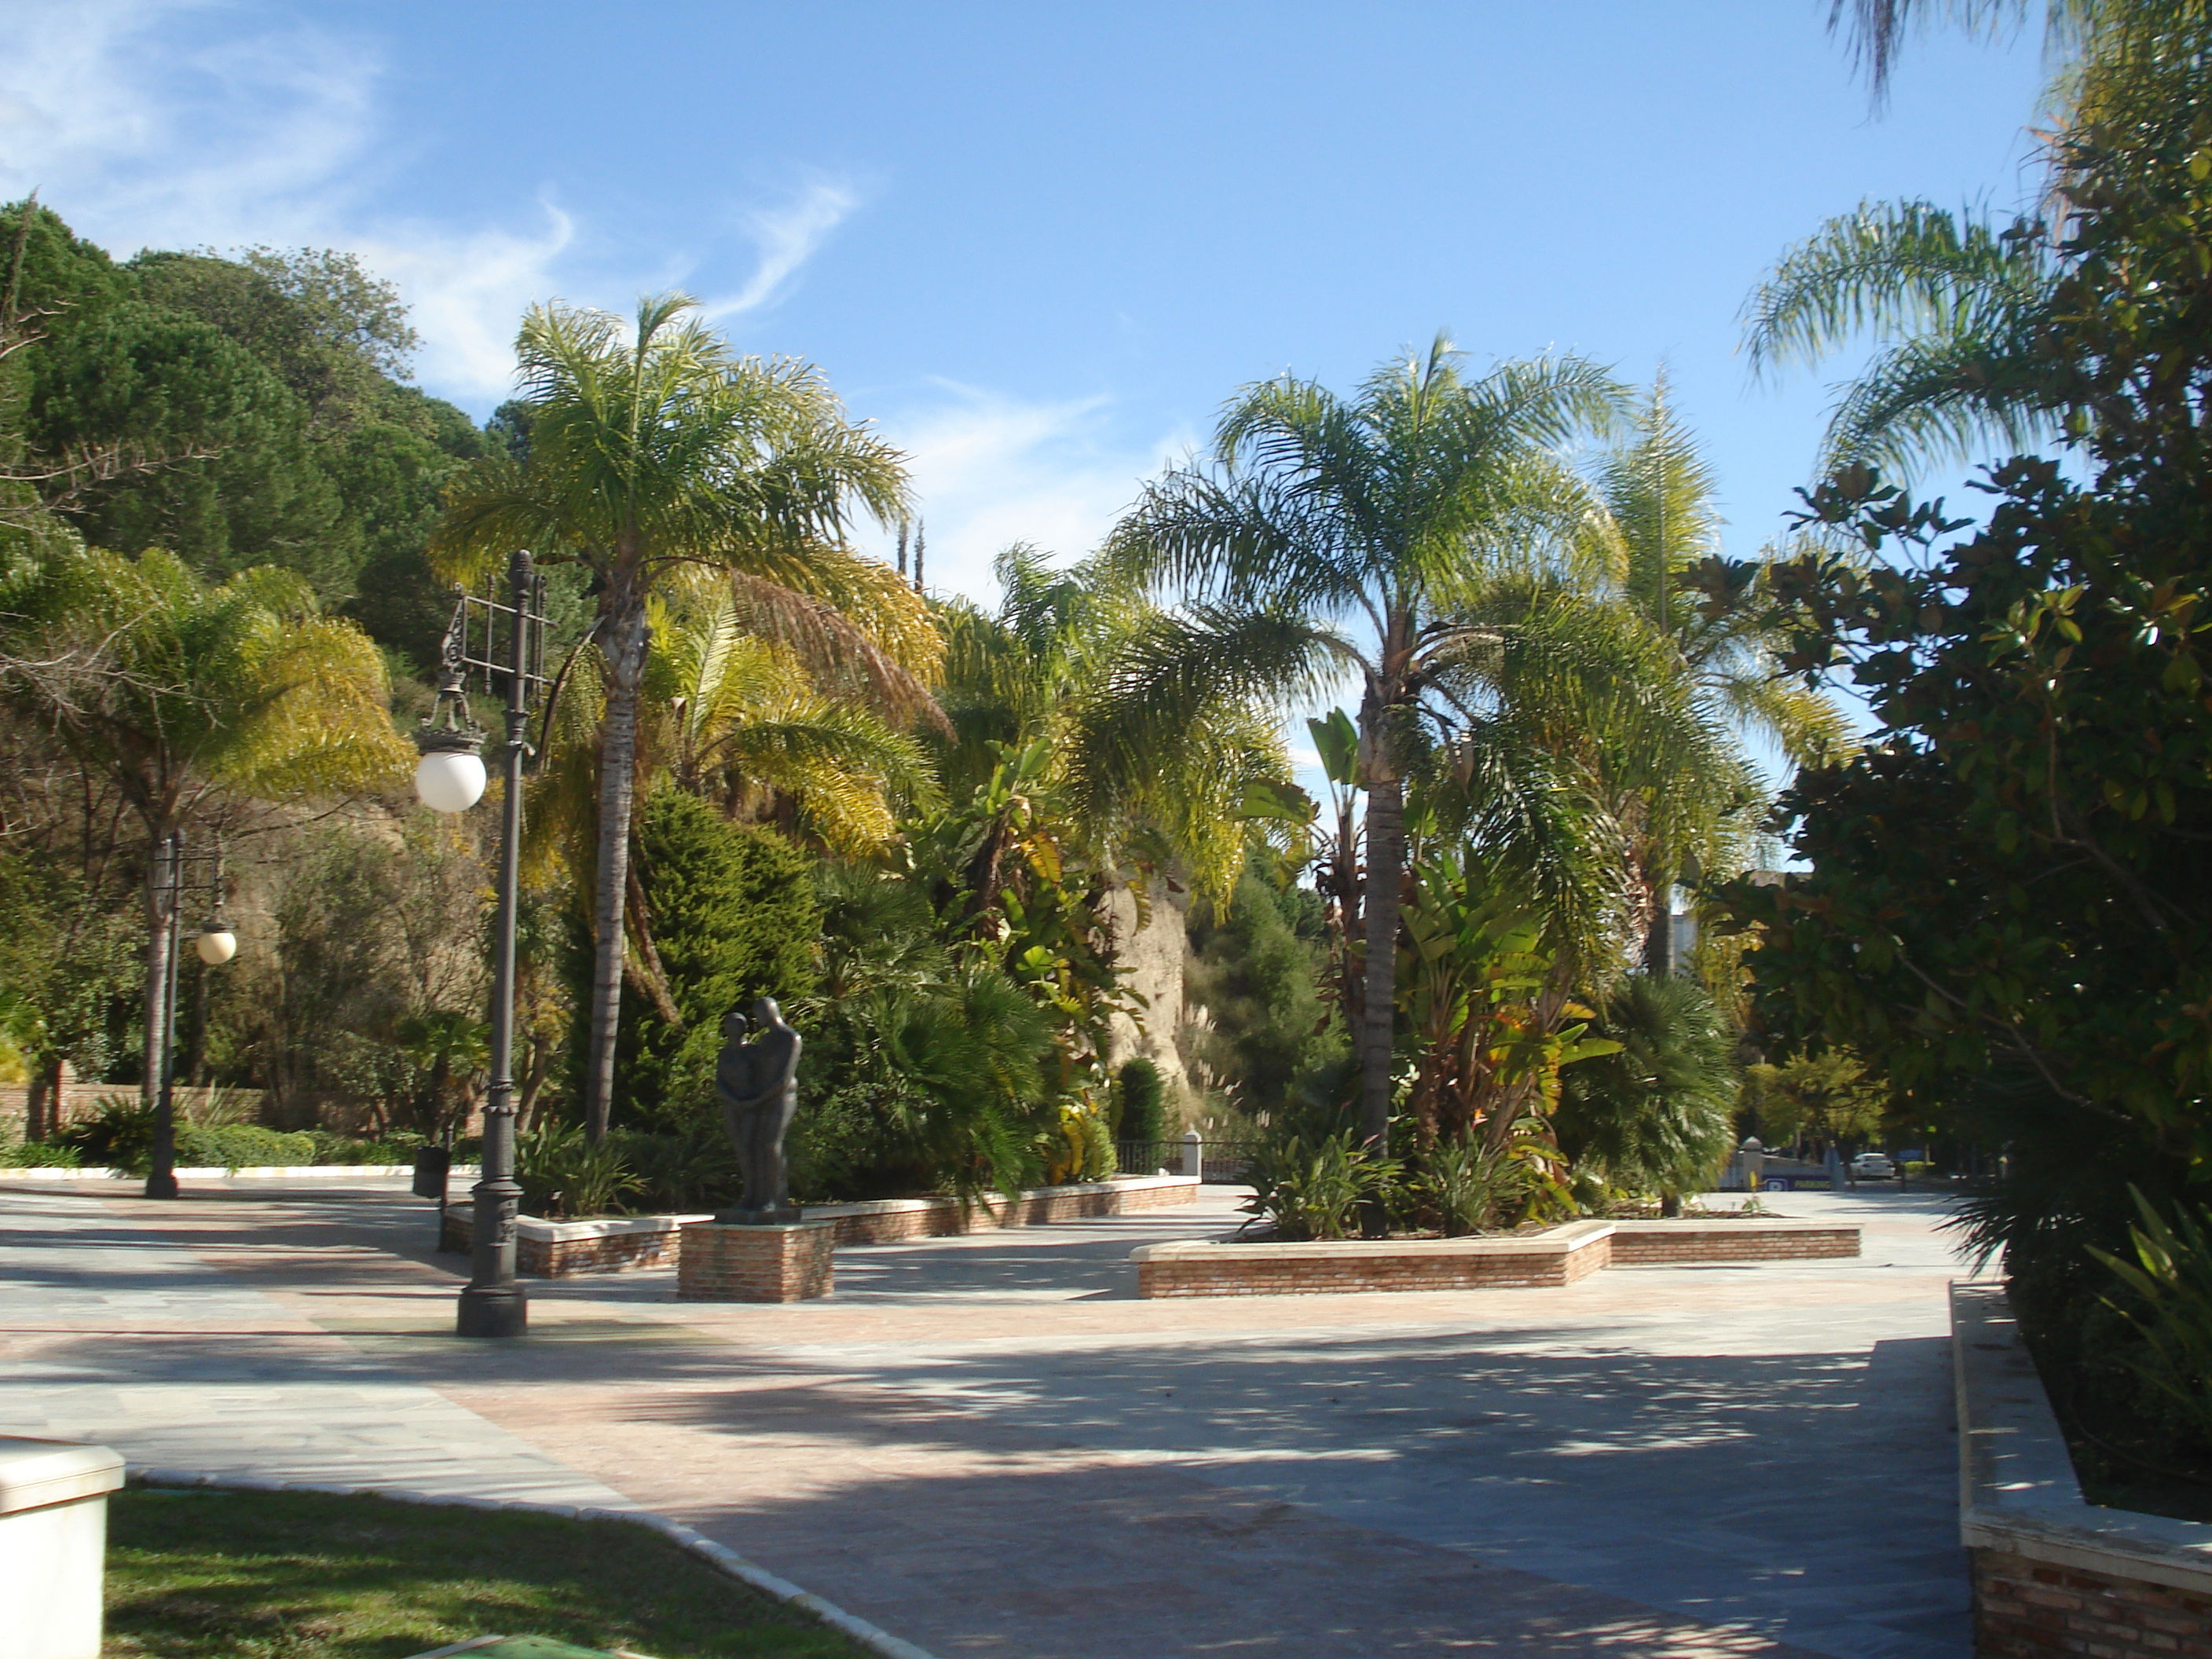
(558, 1249)
(718, 1263)
(2053, 1575)
(2030, 1609)
(1658, 1243)
(1559, 1256)
(887, 1221)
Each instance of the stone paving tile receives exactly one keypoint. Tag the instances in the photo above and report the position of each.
(1698, 1460)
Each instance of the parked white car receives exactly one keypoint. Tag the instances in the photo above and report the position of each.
(1873, 1166)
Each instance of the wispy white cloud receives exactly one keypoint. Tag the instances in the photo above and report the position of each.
(990, 470)
(202, 123)
(787, 236)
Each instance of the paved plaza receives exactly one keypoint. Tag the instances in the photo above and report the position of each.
(989, 1446)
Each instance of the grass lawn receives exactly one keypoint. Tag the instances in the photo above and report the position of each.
(199, 1574)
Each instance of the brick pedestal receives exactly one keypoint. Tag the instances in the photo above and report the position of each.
(723, 1263)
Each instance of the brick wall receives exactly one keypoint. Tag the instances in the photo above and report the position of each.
(2028, 1609)
(1560, 1257)
(888, 1221)
(755, 1264)
(1653, 1243)
(81, 1100)
(558, 1249)
(561, 1256)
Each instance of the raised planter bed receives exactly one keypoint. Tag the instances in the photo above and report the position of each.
(1557, 1256)
(2052, 1574)
(558, 1249)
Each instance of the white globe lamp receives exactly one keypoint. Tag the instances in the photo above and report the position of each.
(217, 944)
(449, 779)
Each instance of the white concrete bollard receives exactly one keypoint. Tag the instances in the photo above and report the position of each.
(1193, 1154)
(53, 1544)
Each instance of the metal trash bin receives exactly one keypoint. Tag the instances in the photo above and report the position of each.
(431, 1165)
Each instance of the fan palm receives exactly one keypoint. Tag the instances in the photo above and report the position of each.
(180, 695)
(1657, 1113)
(1327, 535)
(667, 449)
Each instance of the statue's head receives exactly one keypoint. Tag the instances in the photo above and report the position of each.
(767, 1012)
(733, 1026)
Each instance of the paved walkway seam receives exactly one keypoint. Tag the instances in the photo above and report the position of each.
(725, 1559)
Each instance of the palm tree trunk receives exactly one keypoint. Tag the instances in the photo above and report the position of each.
(623, 640)
(1386, 860)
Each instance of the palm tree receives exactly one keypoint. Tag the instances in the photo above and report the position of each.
(181, 696)
(1717, 613)
(737, 720)
(667, 449)
(1042, 669)
(1969, 312)
(1328, 535)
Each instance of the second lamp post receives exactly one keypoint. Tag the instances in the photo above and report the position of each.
(449, 778)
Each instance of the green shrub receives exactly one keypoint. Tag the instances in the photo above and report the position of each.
(561, 1173)
(2171, 1308)
(118, 1134)
(36, 1155)
(237, 1146)
(1139, 1097)
(399, 1147)
(733, 918)
(1313, 1189)
(1658, 1115)
(1091, 1139)
(1465, 1187)
(683, 1170)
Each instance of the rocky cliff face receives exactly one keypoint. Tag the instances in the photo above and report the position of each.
(1151, 958)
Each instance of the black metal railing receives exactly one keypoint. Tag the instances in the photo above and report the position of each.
(1221, 1163)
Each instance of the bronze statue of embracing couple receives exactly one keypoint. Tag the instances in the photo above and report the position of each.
(755, 1080)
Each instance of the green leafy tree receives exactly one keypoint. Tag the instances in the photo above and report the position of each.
(733, 918)
(1255, 967)
(2035, 976)
(667, 449)
(177, 694)
(1328, 536)
(1825, 1096)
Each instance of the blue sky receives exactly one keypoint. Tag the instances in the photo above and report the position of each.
(1040, 244)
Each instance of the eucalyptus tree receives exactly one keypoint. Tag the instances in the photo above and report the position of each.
(667, 449)
(1327, 536)
(180, 695)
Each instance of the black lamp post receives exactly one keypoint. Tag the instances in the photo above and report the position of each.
(449, 778)
(215, 945)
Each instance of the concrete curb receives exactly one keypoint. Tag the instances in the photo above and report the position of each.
(873, 1637)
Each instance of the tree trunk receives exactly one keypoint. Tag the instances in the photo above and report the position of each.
(624, 641)
(1386, 858)
(42, 1104)
(160, 941)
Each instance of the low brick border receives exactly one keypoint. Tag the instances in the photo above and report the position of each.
(1558, 1255)
(560, 1249)
(776, 1588)
(2053, 1575)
